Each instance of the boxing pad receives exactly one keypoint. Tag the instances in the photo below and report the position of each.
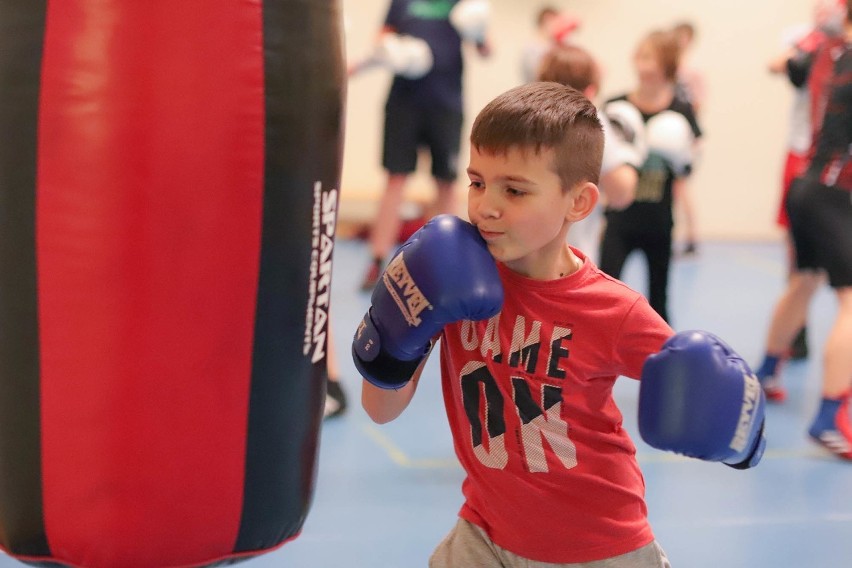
(168, 196)
(562, 27)
(407, 56)
(624, 136)
(470, 18)
(670, 135)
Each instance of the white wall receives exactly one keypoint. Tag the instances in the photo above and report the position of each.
(736, 187)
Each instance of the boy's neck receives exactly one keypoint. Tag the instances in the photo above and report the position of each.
(568, 264)
(573, 264)
(561, 264)
(652, 98)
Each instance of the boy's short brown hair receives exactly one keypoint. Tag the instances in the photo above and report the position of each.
(667, 48)
(544, 115)
(685, 29)
(570, 65)
(544, 13)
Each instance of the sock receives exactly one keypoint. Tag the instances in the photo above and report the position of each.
(826, 418)
(769, 366)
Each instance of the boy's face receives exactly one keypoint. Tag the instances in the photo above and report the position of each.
(517, 203)
(648, 66)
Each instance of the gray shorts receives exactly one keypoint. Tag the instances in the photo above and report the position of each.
(467, 546)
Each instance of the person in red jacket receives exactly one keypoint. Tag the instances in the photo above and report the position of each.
(819, 205)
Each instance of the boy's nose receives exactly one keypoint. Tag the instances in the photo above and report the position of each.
(486, 205)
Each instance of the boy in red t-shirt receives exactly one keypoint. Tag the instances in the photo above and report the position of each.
(533, 337)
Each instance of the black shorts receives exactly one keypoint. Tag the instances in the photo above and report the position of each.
(408, 127)
(821, 225)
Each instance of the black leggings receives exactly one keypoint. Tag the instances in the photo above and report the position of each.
(617, 246)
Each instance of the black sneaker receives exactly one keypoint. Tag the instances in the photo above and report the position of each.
(335, 400)
(799, 349)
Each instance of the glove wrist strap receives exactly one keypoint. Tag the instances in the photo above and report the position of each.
(753, 457)
(386, 371)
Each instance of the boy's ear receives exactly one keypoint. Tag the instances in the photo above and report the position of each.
(585, 197)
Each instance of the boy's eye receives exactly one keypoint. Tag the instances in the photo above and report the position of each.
(474, 184)
(515, 192)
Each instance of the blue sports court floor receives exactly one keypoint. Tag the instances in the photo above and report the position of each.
(386, 495)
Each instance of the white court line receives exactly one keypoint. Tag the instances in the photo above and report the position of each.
(392, 450)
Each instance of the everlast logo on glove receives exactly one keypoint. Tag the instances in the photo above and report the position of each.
(404, 291)
(751, 394)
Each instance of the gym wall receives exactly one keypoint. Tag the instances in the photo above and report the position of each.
(736, 184)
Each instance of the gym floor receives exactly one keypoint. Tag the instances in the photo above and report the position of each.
(386, 495)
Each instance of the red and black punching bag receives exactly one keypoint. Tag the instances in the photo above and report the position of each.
(168, 197)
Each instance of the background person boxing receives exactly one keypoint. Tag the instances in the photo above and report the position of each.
(819, 205)
(531, 346)
(425, 111)
(670, 132)
(624, 150)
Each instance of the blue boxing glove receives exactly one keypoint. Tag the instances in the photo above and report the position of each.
(698, 398)
(442, 274)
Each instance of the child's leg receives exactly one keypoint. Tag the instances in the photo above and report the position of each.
(445, 198)
(832, 427)
(443, 131)
(799, 347)
(832, 232)
(791, 310)
(659, 254)
(787, 319)
(837, 362)
(385, 228)
(614, 251)
(685, 203)
(468, 545)
(649, 556)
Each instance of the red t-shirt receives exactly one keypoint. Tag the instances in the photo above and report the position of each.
(551, 474)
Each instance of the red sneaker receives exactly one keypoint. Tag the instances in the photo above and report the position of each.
(409, 227)
(371, 278)
(773, 389)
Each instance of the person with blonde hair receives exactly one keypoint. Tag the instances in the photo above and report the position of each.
(671, 129)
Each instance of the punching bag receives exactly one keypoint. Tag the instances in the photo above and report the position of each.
(168, 197)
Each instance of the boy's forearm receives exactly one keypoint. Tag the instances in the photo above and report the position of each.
(619, 186)
(384, 405)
